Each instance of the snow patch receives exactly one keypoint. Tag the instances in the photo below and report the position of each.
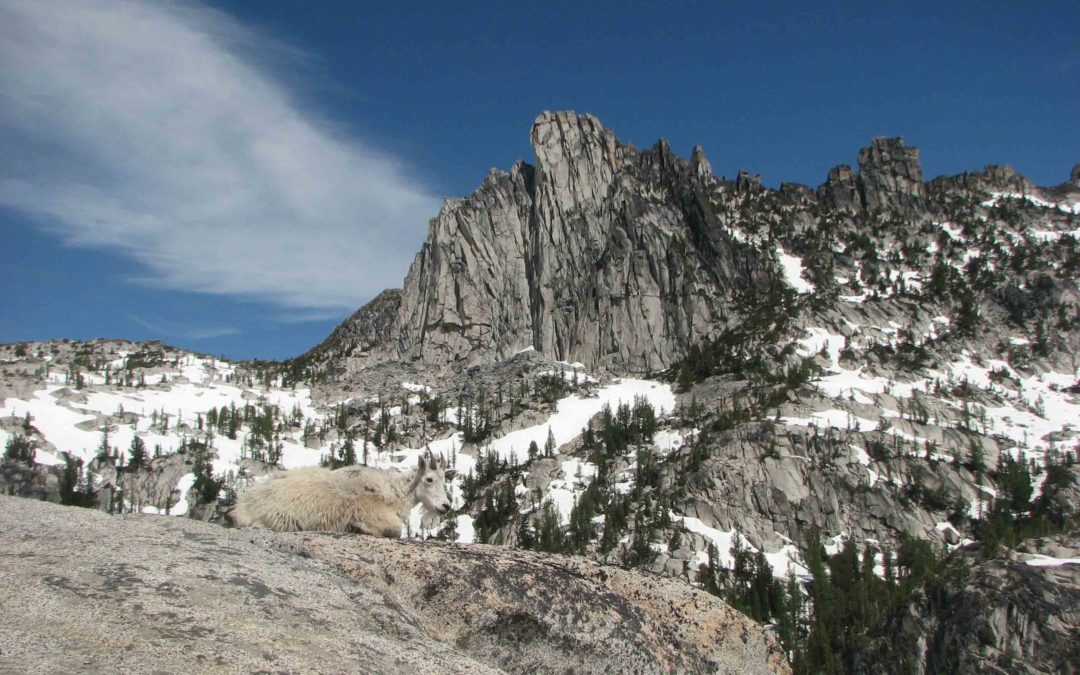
(1039, 560)
(792, 267)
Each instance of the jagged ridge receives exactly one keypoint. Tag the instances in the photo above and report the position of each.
(622, 259)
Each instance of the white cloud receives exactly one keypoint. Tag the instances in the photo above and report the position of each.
(165, 327)
(157, 130)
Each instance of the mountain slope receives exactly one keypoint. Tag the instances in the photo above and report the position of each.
(622, 260)
(883, 368)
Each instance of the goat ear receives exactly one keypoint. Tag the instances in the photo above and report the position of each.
(449, 475)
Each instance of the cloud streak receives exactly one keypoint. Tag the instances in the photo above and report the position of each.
(164, 327)
(157, 130)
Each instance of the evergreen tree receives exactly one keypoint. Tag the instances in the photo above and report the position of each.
(136, 454)
(526, 538)
(19, 448)
(709, 572)
(206, 487)
(675, 543)
(549, 444)
(76, 489)
(790, 619)
(342, 455)
(104, 451)
(549, 537)
(449, 530)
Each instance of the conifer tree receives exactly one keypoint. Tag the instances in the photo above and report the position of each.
(19, 448)
(548, 530)
(136, 453)
(103, 447)
(449, 530)
(206, 487)
(549, 444)
(525, 536)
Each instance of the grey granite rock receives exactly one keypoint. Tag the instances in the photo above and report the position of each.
(890, 176)
(89, 592)
(618, 258)
(840, 191)
(598, 253)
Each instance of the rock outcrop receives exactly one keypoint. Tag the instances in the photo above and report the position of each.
(598, 254)
(890, 176)
(623, 259)
(148, 593)
(369, 327)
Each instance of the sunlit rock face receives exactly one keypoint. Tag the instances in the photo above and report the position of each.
(623, 259)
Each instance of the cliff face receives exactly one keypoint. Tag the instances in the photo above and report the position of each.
(598, 253)
(571, 256)
(623, 259)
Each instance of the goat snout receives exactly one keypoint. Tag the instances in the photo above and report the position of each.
(444, 508)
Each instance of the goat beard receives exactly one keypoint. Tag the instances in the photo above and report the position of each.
(428, 518)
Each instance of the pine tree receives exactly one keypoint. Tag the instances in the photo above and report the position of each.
(549, 444)
(675, 543)
(103, 447)
(348, 451)
(206, 487)
(526, 538)
(19, 448)
(709, 572)
(76, 485)
(790, 620)
(449, 531)
(136, 454)
(548, 531)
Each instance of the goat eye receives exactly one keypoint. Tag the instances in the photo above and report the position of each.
(430, 479)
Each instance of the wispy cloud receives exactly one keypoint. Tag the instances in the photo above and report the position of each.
(166, 328)
(158, 130)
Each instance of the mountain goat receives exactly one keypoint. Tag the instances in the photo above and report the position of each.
(349, 499)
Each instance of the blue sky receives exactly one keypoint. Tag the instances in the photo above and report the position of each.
(237, 178)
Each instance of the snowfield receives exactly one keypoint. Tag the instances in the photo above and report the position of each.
(70, 420)
(792, 267)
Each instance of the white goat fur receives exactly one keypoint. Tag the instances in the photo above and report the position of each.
(350, 499)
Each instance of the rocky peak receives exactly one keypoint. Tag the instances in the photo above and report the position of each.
(621, 259)
(840, 191)
(700, 166)
(572, 256)
(890, 176)
(994, 178)
(890, 155)
(1004, 178)
(747, 183)
(1074, 176)
(576, 156)
(373, 321)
